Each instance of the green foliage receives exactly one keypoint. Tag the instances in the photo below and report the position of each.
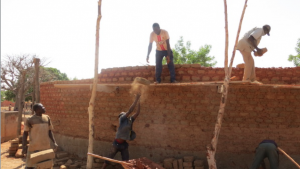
(183, 54)
(53, 74)
(2, 95)
(9, 95)
(296, 58)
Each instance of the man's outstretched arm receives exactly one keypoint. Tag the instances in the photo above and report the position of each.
(137, 97)
(149, 51)
(137, 112)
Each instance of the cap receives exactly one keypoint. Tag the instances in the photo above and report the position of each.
(268, 27)
(121, 114)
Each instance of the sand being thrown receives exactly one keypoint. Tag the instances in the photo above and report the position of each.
(140, 86)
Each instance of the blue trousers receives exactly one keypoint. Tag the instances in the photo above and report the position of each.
(158, 69)
(117, 147)
(266, 150)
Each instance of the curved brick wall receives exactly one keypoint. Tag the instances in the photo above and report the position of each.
(178, 120)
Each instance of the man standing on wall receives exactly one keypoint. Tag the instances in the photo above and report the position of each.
(267, 148)
(246, 45)
(39, 128)
(163, 49)
(124, 133)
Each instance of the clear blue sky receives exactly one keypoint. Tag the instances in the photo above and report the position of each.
(64, 31)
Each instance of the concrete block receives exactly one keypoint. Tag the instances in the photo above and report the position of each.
(175, 164)
(188, 158)
(15, 141)
(198, 163)
(180, 164)
(42, 156)
(44, 164)
(187, 164)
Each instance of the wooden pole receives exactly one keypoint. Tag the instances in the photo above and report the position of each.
(37, 79)
(212, 148)
(289, 157)
(236, 39)
(93, 97)
(21, 99)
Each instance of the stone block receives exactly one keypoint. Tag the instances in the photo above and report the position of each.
(180, 164)
(188, 158)
(198, 163)
(187, 164)
(44, 164)
(42, 156)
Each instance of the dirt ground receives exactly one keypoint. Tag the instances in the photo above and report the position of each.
(8, 162)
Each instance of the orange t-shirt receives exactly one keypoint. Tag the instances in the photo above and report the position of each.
(160, 39)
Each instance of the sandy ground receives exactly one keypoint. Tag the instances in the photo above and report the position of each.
(8, 162)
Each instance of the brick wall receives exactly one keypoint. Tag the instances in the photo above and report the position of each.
(180, 118)
(193, 72)
(6, 103)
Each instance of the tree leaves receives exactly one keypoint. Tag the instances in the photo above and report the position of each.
(183, 54)
(296, 58)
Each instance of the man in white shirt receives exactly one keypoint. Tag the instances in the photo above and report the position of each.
(248, 44)
(163, 49)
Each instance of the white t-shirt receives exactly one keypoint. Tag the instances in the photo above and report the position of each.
(243, 44)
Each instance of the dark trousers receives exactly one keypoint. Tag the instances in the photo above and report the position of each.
(266, 150)
(158, 68)
(117, 147)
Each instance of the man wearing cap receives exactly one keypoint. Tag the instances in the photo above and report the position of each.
(124, 133)
(39, 128)
(248, 44)
(163, 49)
(266, 149)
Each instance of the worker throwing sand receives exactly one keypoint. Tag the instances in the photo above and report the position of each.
(124, 132)
(248, 44)
(162, 39)
(267, 148)
(39, 128)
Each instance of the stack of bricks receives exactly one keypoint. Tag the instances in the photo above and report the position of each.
(14, 146)
(188, 162)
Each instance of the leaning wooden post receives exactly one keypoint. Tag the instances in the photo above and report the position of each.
(92, 101)
(21, 99)
(37, 79)
(236, 39)
(212, 148)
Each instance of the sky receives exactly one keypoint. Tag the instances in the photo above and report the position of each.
(64, 31)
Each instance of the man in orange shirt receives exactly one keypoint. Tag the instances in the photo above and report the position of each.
(161, 37)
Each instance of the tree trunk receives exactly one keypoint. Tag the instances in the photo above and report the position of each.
(33, 95)
(93, 97)
(21, 102)
(212, 148)
(17, 99)
(37, 79)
